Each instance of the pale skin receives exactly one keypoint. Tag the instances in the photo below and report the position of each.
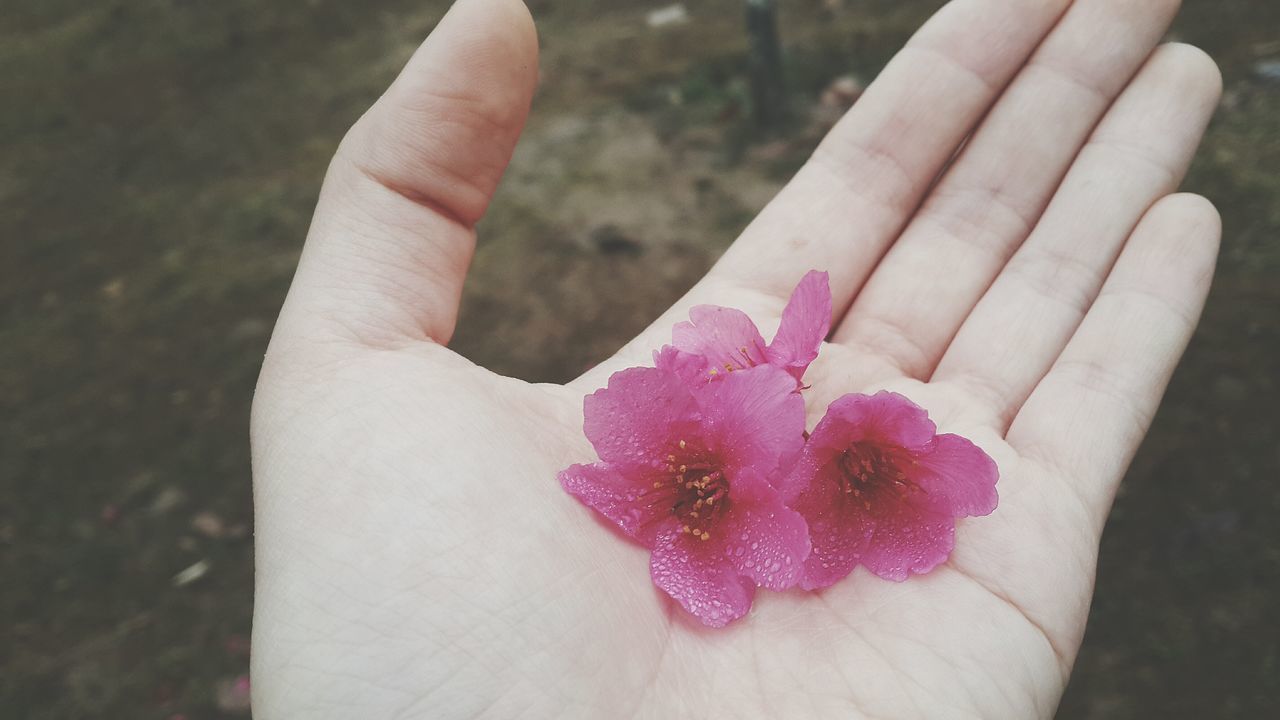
(415, 555)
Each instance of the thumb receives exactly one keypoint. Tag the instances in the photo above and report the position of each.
(394, 229)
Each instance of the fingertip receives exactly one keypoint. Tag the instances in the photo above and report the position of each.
(445, 129)
(1194, 69)
(1195, 213)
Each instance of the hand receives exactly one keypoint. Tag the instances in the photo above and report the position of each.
(416, 556)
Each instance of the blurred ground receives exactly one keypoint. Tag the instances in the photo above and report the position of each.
(159, 160)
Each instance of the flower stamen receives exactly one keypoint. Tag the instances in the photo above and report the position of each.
(867, 470)
(694, 491)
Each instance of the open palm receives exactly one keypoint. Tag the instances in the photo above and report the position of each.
(997, 219)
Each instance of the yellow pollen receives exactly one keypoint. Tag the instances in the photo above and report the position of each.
(684, 468)
(682, 446)
(714, 372)
(705, 535)
(672, 458)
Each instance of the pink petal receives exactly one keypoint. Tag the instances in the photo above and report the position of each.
(695, 574)
(839, 531)
(885, 417)
(623, 500)
(691, 369)
(908, 539)
(805, 323)
(639, 417)
(755, 418)
(766, 542)
(958, 476)
(724, 336)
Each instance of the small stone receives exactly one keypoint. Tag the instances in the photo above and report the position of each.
(670, 15)
(208, 525)
(842, 93)
(113, 289)
(166, 500)
(1268, 70)
(611, 240)
(191, 574)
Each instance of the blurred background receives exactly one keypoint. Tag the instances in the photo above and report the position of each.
(159, 161)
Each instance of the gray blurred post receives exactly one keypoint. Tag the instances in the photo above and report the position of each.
(765, 64)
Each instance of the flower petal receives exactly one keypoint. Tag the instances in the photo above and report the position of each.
(724, 336)
(957, 475)
(766, 542)
(885, 417)
(639, 417)
(805, 324)
(691, 369)
(695, 574)
(627, 501)
(755, 419)
(839, 529)
(908, 539)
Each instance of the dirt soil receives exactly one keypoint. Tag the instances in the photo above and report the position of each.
(159, 160)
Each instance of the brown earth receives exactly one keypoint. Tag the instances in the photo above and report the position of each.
(159, 160)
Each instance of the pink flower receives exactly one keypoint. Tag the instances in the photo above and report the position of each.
(687, 472)
(718, 340)
(879, 487)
